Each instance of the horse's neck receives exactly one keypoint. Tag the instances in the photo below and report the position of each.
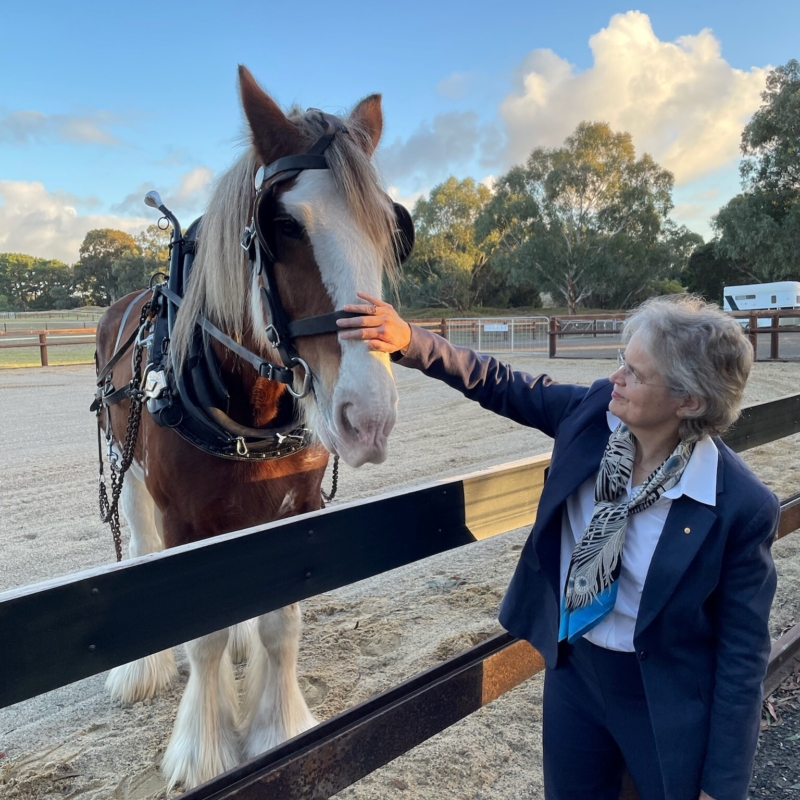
(252, 398)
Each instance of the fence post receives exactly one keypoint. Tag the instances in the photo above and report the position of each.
(43, 348)
(443, 328)
(774, 338)
(551, 346)
(512, 334)
(753, 334)
(478, 348)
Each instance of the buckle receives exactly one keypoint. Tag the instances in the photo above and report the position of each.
(273, 335)
(247, 238)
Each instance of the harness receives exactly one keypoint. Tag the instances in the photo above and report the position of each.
(194, 401)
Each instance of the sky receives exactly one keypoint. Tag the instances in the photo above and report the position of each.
(101, 102)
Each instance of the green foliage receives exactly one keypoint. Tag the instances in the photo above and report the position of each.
(771, 140)
(759, 230)
(94, 272)
(708, 272)
(112, 264)
(586, 219)
(446, 266)
(28, 283)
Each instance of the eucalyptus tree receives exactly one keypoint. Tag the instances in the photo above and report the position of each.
(759, 229)
(446, 265)
(574, 218)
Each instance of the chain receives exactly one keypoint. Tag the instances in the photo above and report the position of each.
(109, 509)
(327, 497)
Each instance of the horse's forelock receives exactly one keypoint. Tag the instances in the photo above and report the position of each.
(356, 179)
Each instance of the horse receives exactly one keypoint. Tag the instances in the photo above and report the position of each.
(330, 232)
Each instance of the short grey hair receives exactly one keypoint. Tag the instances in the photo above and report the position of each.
(701, 352)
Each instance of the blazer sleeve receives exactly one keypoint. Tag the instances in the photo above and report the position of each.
(747, 586)
(537, 402)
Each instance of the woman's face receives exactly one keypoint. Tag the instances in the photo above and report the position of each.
(641, 397)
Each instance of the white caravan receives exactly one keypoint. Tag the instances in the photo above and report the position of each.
(776, 296)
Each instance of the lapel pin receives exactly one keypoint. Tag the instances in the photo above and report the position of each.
(687, 530)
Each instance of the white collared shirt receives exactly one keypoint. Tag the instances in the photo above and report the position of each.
(699, 481)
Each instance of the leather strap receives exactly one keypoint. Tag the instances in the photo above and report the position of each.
(324, 323)
(114, 360)
(266, 369)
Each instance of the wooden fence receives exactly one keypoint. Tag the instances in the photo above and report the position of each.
(69, 628)
(562, 326)
(43, 344)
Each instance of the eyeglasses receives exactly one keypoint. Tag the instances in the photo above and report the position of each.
(629, 373)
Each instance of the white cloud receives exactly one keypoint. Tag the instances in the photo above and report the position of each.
(407, 200)
(192, 191)
(435, 149)
(456, 86)
(188, 197)
(681, 101)
(25, 127)
(47, 224)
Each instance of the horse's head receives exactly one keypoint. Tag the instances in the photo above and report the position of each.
(331, 233)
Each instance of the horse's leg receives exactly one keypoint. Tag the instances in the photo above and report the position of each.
(151, 675)
(240, 643)
(204, 741)
(275, 709)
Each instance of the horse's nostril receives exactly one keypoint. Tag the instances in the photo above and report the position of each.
(345, 420)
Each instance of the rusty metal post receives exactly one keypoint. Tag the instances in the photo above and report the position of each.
(552, 333)
(443, 328)
(774, 337)
(753, 334)
(43, 348)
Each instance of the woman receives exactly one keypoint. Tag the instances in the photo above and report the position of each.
(647, 580)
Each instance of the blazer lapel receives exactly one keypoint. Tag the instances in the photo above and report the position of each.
(685, 530)
(579, 460)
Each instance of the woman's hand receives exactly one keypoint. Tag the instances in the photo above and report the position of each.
(704, 796)
(380, 325)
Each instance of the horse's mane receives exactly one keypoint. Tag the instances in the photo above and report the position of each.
(219, 286)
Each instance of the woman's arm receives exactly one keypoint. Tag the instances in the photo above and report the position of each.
(533, 401)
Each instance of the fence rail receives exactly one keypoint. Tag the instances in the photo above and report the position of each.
(44, 344)
(499, 334)
(73, 627)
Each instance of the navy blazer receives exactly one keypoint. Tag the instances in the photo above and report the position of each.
(701, 635)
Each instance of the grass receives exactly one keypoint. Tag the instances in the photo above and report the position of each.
(51, 320)
(61, 355)
(56, 356)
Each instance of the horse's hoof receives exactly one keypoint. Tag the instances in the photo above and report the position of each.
(142, 679)
(188, 762)
(258, 740)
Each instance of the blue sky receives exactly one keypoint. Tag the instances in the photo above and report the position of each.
(100, 102)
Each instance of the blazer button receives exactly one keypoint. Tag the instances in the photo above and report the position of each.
(643, 655)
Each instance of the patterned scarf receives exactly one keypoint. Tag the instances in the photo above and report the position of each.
(593, 577)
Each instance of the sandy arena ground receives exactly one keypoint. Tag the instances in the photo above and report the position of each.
(357, 642)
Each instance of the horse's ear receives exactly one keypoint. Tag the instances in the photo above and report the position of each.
(369, 115)
(272, 134)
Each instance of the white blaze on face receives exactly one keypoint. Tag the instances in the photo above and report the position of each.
(354, 417)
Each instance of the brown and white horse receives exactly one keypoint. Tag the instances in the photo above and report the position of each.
(334, 236)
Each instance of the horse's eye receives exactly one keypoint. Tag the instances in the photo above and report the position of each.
(289, 227)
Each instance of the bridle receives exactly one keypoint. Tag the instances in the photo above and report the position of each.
(257, 240)
(178, 398)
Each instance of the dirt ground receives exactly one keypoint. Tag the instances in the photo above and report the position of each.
(357, 641)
